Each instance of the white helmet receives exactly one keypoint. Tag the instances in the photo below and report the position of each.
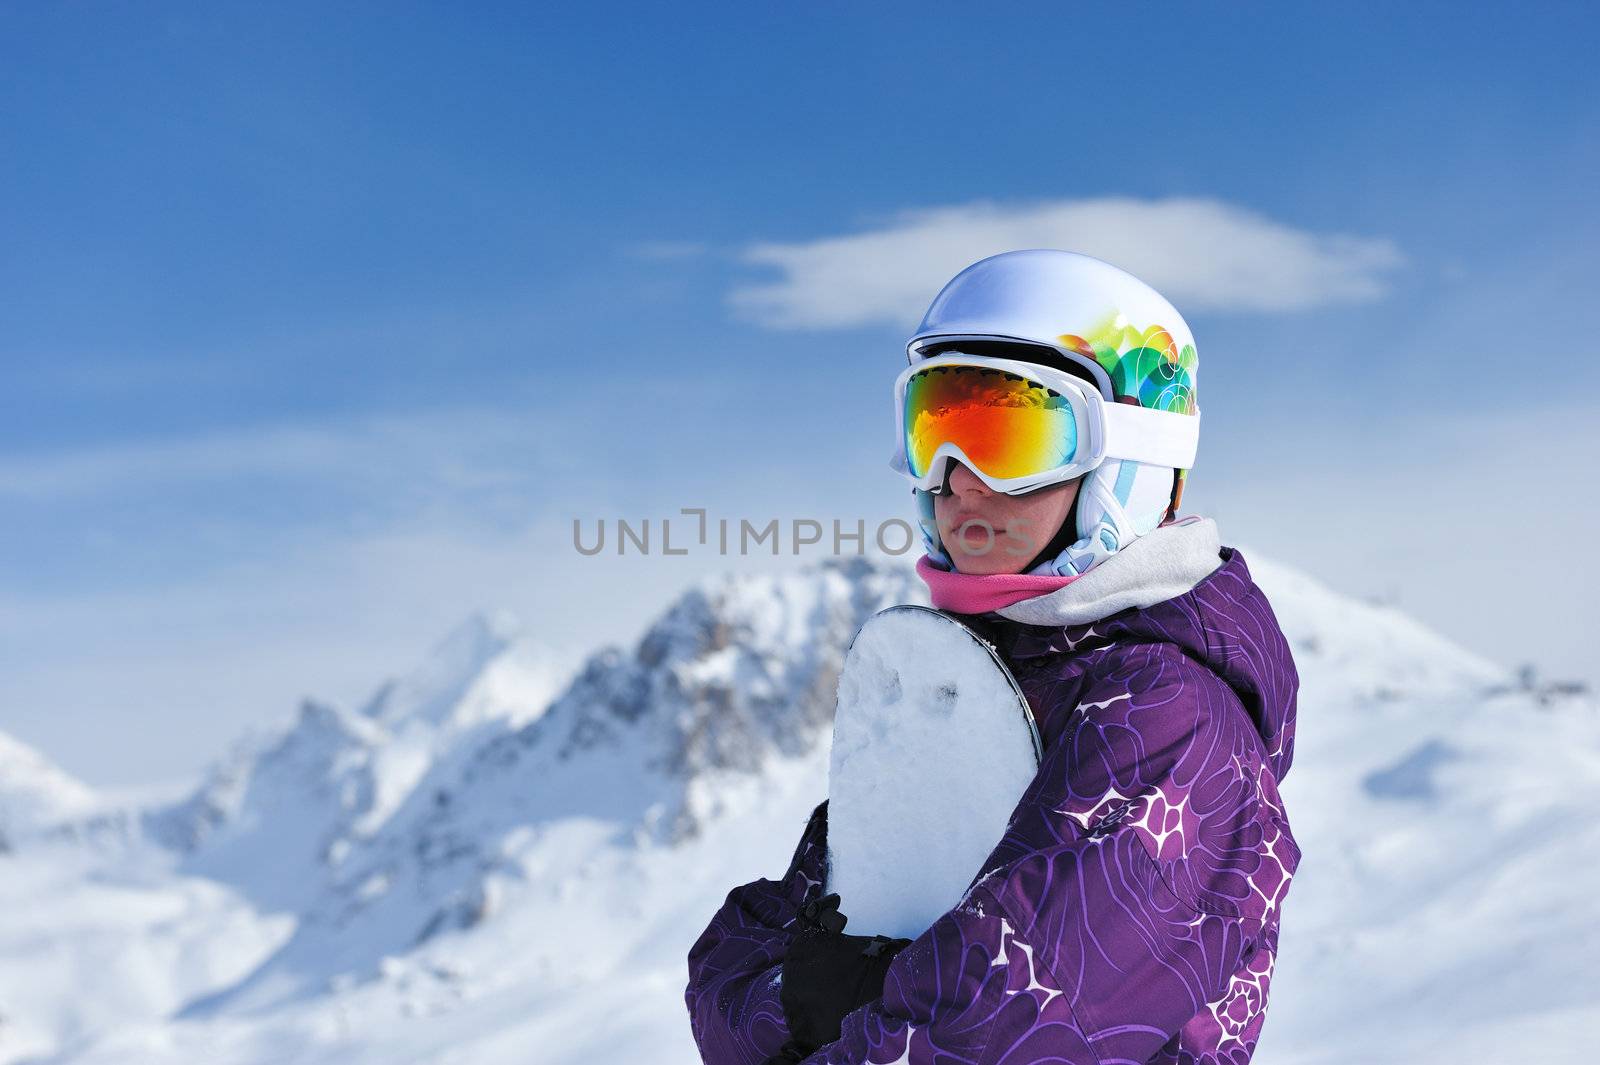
(1071, 310)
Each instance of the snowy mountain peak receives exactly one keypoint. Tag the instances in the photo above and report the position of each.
(279, 816)
(35, 793)
(739, 668)
(433, 692)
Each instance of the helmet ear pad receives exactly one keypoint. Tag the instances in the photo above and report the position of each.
(1119, 501)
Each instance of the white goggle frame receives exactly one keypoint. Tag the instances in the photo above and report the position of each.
(1105, 430)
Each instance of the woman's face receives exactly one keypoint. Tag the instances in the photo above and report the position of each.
(985, 531)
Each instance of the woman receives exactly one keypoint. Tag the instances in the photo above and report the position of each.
(1130, 913)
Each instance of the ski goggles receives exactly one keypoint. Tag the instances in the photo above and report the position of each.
(1019, 426)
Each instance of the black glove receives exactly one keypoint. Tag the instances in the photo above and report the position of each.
(791, 1053)
(827, 974)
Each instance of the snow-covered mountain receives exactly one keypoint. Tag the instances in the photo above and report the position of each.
(35, 793)
(502, 857)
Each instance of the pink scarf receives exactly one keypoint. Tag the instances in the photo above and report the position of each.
(975, 593)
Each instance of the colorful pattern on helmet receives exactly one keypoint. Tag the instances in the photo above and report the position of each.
(1146, 366)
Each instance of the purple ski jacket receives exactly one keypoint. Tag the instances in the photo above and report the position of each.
(1129, 914)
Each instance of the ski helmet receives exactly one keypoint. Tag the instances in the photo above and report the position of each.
(1082, 314)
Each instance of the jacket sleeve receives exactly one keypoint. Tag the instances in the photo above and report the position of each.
(1131, 907)
(734, 965)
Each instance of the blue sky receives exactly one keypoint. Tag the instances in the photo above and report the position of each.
(320, 326)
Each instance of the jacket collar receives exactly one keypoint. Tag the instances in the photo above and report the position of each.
(1166, 562)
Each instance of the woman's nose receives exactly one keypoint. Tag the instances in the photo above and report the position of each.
(963, 481)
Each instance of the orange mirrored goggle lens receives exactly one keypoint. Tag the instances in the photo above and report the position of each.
(1007, 425)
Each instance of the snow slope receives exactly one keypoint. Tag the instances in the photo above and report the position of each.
(502, 859)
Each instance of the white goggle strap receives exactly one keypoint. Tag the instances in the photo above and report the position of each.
(1155, 437)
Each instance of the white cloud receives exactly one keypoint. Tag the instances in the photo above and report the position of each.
(375, 448)
(461, 448)
(1203, 254)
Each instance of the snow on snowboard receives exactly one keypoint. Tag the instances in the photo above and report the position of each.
(933, 746)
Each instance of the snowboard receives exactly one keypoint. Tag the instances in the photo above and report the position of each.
(933, 746)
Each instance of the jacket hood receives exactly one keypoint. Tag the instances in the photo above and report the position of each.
(1188, 591)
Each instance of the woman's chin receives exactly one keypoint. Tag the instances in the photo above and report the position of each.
(984, 565)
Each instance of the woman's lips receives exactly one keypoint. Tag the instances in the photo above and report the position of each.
(976, 528)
